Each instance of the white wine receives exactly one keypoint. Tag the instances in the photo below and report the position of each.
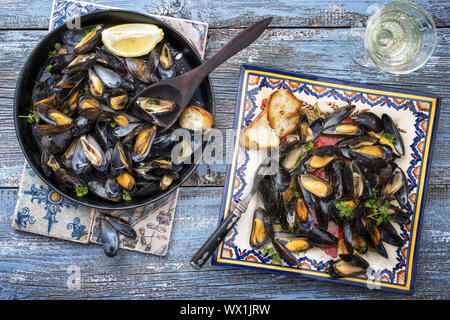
(398, 36)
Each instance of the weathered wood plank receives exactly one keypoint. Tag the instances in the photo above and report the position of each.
(33, 266)
(225, 14)
(315, 51)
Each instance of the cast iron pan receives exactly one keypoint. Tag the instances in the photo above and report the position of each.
(30, 72)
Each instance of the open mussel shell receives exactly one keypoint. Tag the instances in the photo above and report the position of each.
(56, 143)
(291, 155)
(143, 143)
(110, 238)
(369, 121)
(161, 60)
(375, 238)
(357, 182)
(355, 142)
(52, 116)
(376, 155)
(293, 242)
(151, 107)
(349, 265)
(315, 185)
(141, 70)
(168, 179)
(117, 100)
(120, 159)
(397, 183)
(96, 87)
(343, 130)
(391, 128)
(258, 235)
(93, 152)
(89, 107)
(79, 64)
(338, 115)
(321, 157)
(89, 41)
(112, 187)
(126, 180)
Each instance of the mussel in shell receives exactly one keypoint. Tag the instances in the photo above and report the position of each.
(89, 41)
(316, 185)
(369, 121)
(258, 235)
(143, 143)
(52, 116)
(348, 265)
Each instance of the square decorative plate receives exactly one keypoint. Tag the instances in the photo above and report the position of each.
(415, 113)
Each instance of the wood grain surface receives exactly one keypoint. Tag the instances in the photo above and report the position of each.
(310, 37)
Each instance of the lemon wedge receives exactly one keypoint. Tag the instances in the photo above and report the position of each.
(133, 39)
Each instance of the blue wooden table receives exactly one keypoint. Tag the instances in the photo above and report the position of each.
(307, 37)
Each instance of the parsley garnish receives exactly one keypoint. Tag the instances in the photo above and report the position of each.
(276, 258)
(267, 250)
(112, 124)
(81, 191)
(345, 209)
(309, 146)
(54, 53)
(31, 117)
(126, 195)
(86, 89)
(389, 137)
(380, 211)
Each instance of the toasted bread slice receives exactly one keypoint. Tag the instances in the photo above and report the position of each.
(196, 119)
(283, 112)
(259, 134)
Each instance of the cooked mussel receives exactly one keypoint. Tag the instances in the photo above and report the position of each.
(89, 41)
(349, 265)
(338, 115)
(140, 70)
(391, 129)
(369, 121)
(93, 152)
(143, 143)
(343, 130)
(52, 116)
(316, 185)
(152, 106)
(258, 234)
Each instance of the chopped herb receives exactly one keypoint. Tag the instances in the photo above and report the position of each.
(345, 209)
(151, 102)
(267, 251)
(86, 89)
(126, 195)
(309, 146)
(49, 68)
(389, 137)
(380, 210)
(112, 124)
(81, 191)
(31, 117)
(276, 258)
(276, 187)
(54, 53)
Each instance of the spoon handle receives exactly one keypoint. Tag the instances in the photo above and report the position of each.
(242, 40)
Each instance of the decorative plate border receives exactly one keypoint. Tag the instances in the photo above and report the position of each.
(362, 91)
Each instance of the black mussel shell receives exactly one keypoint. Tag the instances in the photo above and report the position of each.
(391, 128)
(348, 265)
(389, 235)
(369, 121)
(344, 130)
(110, 238)
(122, 227)
(258, 234)
(338, 115)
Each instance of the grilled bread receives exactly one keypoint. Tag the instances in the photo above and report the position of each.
(283, 112)
(196, 119)
(259, 134)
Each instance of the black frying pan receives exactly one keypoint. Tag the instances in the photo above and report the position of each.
(30, 72)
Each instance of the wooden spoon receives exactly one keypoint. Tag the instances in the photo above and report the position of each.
(181, 88)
